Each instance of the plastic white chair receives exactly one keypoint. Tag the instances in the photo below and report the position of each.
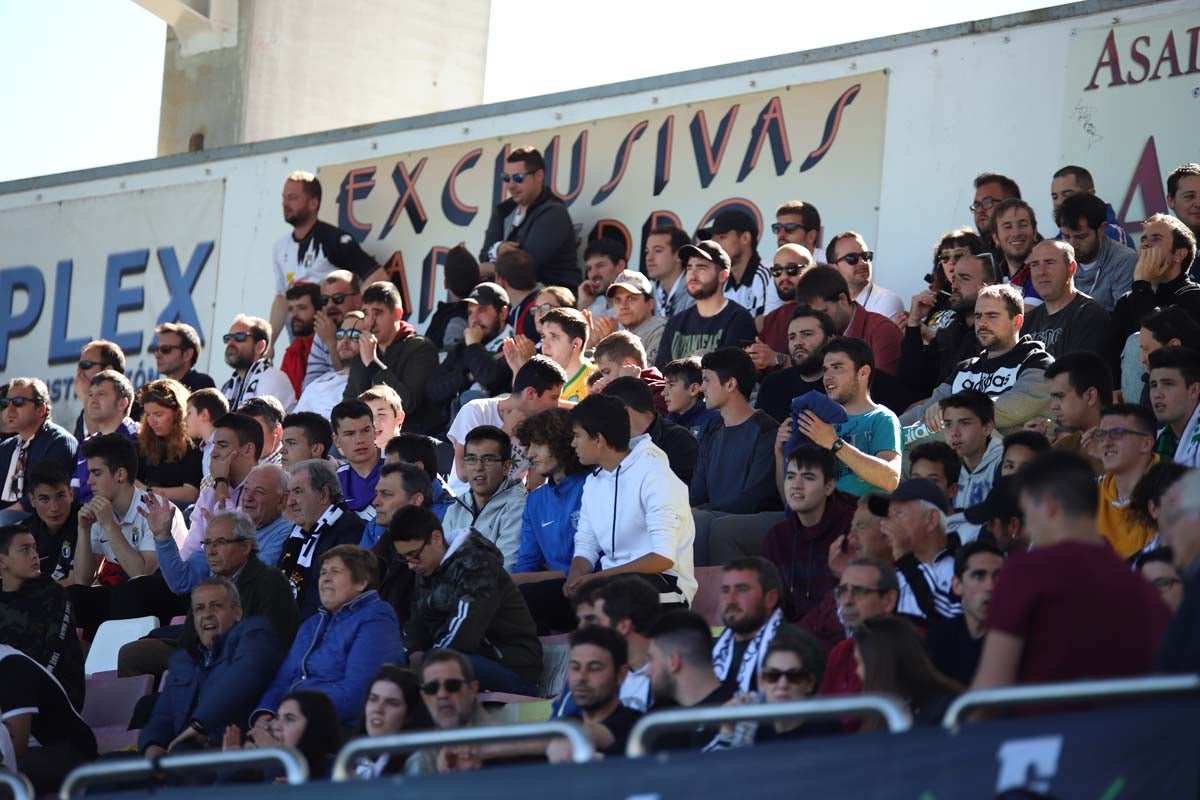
(110, 637)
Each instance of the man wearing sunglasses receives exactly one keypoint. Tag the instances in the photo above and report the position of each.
(321, 395)
(26, 409)
(799, 223)
(533, 219)
(313, 249)
(1125, 438)
(451, 694)
(176, 350)
(848, 252)
(246, 347)
(96, 356)
(341, 293)
(770, 352)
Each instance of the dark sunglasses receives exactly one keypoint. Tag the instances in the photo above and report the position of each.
(337, 298)
(791, 269)
(516, 177)
(952, 256)
(792, 676)
(240, 337)
(854, 258)
(18, 402)
(87, 364)
(353, 335)
(165, 349)
(790, 227)
(453, 686)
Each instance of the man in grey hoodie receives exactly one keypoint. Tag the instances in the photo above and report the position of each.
(1105, 266)
(495, 503)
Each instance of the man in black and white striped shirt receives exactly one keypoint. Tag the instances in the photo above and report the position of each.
(749, 284)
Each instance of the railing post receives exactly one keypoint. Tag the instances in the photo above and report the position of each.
(18, 784)
(294, 766)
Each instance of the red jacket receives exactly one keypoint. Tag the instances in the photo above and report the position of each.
(883, 335)
(655, 380)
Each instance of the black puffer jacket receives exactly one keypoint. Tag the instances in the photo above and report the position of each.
(470, 604)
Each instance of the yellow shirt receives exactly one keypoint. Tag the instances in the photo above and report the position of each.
(576, 387)
(1127, 533)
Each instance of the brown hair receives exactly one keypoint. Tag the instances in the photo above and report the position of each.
(360, 562)
(153, 449)
(895, 662)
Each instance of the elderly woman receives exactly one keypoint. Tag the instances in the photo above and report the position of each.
(168, 460)
(342, 647)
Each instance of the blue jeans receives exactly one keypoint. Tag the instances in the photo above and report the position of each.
(495, 677)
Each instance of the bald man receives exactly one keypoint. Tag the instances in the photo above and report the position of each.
(770, 351)
(1068, 320)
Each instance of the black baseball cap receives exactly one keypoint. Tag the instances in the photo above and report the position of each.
(911, 489)
(488, 294)
(1000, 503)
(708, 250)
(734, 220)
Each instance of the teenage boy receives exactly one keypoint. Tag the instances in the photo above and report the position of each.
(1175, 398)
(663, 265)
(564, 337)
(204, 408)
(969, 422)
(495, 502)
(1080, 386)
(1126, 441)
(956, 643)
(685, 397)
(54, 521)
(354, 435)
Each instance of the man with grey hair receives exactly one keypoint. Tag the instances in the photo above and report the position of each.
(229, 552)
(316, 506)
(214, 681)
(868, 588)
(1068, 320)
(914, 524)
(1179, 526)
(264, 492)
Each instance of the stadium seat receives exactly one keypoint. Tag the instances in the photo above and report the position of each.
(707, 602)
(109, 707)
(109, 638)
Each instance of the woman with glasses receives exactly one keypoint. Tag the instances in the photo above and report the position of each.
(394, 705)
(338, 650)
(891, 659)
(169, 462)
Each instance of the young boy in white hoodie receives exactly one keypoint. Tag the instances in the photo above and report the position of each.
(634, 516)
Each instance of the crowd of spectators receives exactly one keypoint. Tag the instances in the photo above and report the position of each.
(988, 485)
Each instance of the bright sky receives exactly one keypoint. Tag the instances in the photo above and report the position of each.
(83, 78)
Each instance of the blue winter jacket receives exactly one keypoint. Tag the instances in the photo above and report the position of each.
(548, 526)
(338, 654)
(217, 688)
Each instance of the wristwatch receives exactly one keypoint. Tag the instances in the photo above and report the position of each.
(838, 444)
(220, 480)
(780, 359)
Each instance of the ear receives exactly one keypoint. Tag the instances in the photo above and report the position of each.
(889, 600)
(621, 673)
(771, 598)
(952, 489)
(956, 585)
(238, 612)
(624, 627)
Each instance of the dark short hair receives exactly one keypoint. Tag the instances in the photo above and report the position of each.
(517, 269)
(963, 556)
(1084, 370)
(1080, 174)
(887, 580)
(1172, 322)
(731, 363)
(1014, 204)
(620, 345)
(445, 655)
(606, 247)
(115, 451)
(807, 212)
(804, 647)
(686, 368)
(383, 292)
(821, 283)
(603, 415)
(828, 326)
(349, 410)
(831, 247)
(605, 639)
(413, 524)
(1081, 206)
(415, 448)
(633, 392)
(210, 400)
(540, 373)
(1184, 359)
(1160, 477)
(462, 270)
(1159, 555)
(10, 532)
(974, 401)
(679, 237)
(857, 350)
(1139, 412)
(413, 478)
(686, 633)
(810, 455)
(189, 337)
(47, 473)
(1065, 475)
(1178, 174)
(630, 596)
(768, 573)
(938, 453)
(531, 157)
(1182, 237)
(310, 290)
(1008, 187)
(317, 429)
(308, 183)
(111, 354)
(570, 320)
(1033, 440)
(552, 428)
(361, 563)
(121, 385)
(490, 433)
(245, 428)
(266, 409)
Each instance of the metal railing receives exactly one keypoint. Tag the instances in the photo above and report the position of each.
(896, 716)
(18, 784)
(295, 768)
(581, 747)
(1073, 692)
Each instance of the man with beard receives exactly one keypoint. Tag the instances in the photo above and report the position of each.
(749, 282)
(341, 293)
(770, 350)
(714, 321)
(314, 248)
(1067, 321)
(303, 301)
(176, 350)
(752, 610)
(825, 289)
(681, 673)
(321, 395)
(955, 644)
(1014, 229)
(807, 333)
(1105, 270)
(598, 664)
(246, 347)
(477, 362)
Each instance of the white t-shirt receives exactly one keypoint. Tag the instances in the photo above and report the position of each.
(136, 529)
(482, 411)
(880, 300)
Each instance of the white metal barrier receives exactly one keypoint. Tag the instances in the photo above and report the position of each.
(581, 746)
(295, 767)
(896, 716)
(18, 784)
(1073, 692)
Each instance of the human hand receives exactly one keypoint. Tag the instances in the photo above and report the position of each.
(585, 294)
(920, 306)
(232, 739)
(326, 330)
(933, 417)
(503, 248)
(601, 326)
(473, 334)
(87, 517)
(817, 429)
(900, 320)
(459, 758)
(574, 583)
(367, 347)
(159, 513)
(1038, 425)
(559, 751)
(103, 511)
(839, 556)
(761, 354)
(219, 464)
(786, 429)
(154, 751)
(1152, 265)
(188, 733)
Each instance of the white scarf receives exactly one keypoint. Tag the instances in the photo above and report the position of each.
(1187, 452)
(755, 651)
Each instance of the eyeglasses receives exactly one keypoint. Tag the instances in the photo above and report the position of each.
(853, 258)
(242, 336)
(516, 177)
(453, 686)
(415, 556)
(790, 227)
(1164, 583)
(1116, 434)
(353, 335)
(210, 543)
(337, 298)
(87, 364)
(487, 461)
(542, 308)
(166, 349)
(952, 257)
(18, 402)
(792, 270)
(792, 676)
(857, 592)
(986, 202)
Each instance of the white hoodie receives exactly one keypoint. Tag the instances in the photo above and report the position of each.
(639, 508)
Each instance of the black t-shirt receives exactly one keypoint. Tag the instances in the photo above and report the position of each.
(953, 650)
(27, 688)
(780, 388)
(195, 381)
(688, 333)
(341, 250)
(187, 470)
(619, 723)
(56, 551)
(695, 738)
